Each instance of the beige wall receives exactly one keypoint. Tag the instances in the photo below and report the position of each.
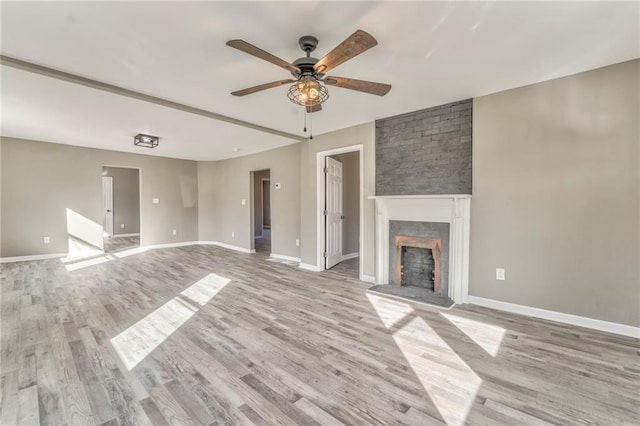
(362, 134)
(40, 181)
(222, 186)
(350, 201)
(257, 200)
(556, 192)
(126, 199)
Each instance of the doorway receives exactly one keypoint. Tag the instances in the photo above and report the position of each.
(340, 222)
(261, 210)
(121, 208)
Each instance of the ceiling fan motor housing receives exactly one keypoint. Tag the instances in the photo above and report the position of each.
(308, 43)
(305, 65)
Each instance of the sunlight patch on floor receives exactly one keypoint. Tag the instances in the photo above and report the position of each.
(86, 263)
(205, 289)
(389, 311)
(138, 341)
(487, 336)
(451, 384)
(130, 252)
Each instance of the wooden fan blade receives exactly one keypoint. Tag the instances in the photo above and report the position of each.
(265, 86)
(379, 89)
(259, 53)
(314, 108)
(354, 45)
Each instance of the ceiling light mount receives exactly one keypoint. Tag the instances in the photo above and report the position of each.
(146, 141)
(308, 43)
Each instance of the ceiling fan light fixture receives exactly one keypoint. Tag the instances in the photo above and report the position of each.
(308, 92)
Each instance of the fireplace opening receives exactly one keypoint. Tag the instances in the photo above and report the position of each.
(418, 262)
(417, 267)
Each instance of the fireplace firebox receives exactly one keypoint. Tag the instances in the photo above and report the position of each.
(418, 262)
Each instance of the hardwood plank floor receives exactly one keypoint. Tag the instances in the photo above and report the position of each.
(203, 335)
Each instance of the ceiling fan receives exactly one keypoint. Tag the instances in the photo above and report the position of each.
(308, 86)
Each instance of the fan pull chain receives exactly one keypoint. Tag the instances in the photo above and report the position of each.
(305, 120)
(311, 127)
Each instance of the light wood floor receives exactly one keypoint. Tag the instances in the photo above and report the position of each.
(202, 335)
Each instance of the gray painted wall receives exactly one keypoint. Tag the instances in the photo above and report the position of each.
(126, 199)
(556, 193)
(350, 201)
(40, 181)
(257, 199)
(222, 186)
(362, 134)
(425, 152)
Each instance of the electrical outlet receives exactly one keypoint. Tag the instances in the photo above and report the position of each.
(122, 225)
(233, 234)
(46, 240)
(297, 242)
(278, 185)
(175, 232)
(244, 202)
(156, 201)
(500, 275)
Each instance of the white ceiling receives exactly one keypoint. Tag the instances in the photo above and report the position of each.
(431, 52)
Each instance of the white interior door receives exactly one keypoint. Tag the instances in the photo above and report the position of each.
(107, 205)
(333, 206)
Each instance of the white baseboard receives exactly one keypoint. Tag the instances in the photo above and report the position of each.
(145, 247)
(125, 235)
(284, 257)
(595, 324)
(227, 246)
(350, 256)
(170, 245)
(368, 279)
(308, 267)
(32, 257)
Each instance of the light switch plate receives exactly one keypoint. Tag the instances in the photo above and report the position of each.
(46, 240)
(278, 185)
(175, 232)
(244, 202)
(500, 274)
(156, 201)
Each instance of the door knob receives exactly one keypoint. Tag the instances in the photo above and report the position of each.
(108, 211)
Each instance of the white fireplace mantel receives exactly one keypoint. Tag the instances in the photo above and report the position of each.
(454, 209)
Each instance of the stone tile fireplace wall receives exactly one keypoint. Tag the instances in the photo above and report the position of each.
(425, 152)
(437, 230)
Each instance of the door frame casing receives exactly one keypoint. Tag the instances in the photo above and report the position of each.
(262, 181)
(334, 214)
(105, 229)
(139, 169)
(320, 202)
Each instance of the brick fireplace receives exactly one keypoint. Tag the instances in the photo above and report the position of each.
(418, 262)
